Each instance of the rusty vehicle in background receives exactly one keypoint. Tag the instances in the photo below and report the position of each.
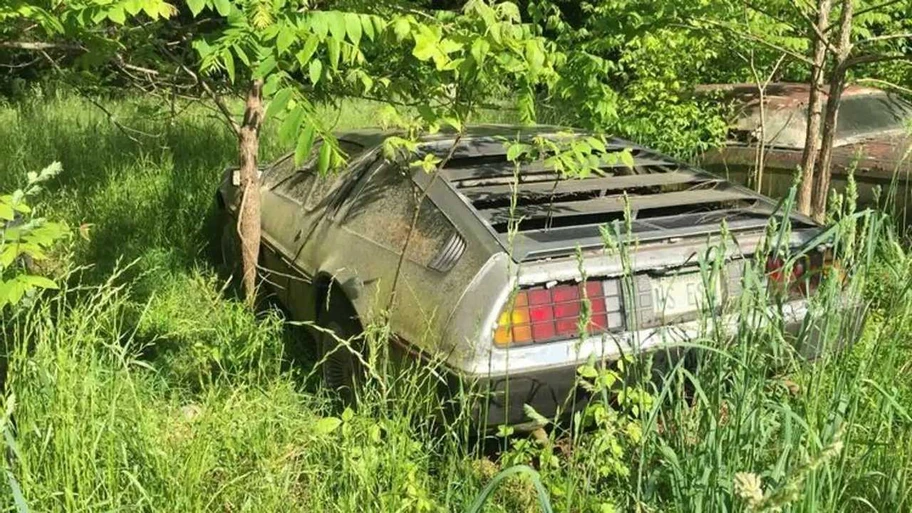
(873, 138)
(496, 289)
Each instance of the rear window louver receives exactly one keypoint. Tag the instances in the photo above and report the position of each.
(655, 187)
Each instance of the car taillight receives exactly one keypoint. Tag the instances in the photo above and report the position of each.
(804, 276)
(544, 314)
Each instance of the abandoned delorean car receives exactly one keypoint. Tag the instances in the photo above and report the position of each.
(498, 301)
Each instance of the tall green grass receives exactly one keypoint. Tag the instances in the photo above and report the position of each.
(145, 385)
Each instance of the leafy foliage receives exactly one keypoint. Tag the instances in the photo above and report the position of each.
(23, 239)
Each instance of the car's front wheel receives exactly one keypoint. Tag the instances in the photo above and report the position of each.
(342, 369)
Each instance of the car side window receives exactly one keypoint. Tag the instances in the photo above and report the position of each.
(294, 182)
(279, 171)
(383, 210)
(304, 185)
(324, 185)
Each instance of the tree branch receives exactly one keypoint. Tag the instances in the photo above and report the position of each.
(885, 37)
(871, 58)
(37, 46)
(820, 35)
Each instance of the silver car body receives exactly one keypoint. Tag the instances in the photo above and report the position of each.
(461, 268)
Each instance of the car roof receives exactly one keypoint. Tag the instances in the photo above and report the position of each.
(784, 94)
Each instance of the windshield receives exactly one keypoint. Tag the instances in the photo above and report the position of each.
(859, 117)
(863, 115)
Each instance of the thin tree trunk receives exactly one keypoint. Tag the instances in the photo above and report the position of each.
(837, 85)
(815, 106)
(249, 211)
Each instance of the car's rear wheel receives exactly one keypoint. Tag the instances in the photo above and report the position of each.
(342, 370)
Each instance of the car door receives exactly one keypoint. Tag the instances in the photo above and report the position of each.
(315, 196)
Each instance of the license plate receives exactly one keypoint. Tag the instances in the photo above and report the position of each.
(679, 294)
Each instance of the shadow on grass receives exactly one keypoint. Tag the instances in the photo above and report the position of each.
(147, 199)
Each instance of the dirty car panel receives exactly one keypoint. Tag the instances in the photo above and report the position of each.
(468, 266)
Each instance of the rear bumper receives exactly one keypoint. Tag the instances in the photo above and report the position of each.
(553, 390)
(550, 392)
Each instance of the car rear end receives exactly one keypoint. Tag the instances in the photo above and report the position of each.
(554, 297)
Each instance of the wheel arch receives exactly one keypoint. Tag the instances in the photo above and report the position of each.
(328, 288)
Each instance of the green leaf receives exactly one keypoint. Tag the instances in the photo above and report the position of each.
(315, 70)
(271, 85)
(6, 212)
(515, 150)
(353, 27)
(32, 250)
(494, 31)
(166, 10)
(241, 54)
(587, 371)
(98, 16)
(223, 7)
(626, 158)
(228, 60)
(306, 53)
(510, 11)
(117, 15)
(196, 6)
(7, 255)
(368, 26)
(38, 281)
(402, 28)
(325, 158)
(332, 50)
(133, 6)
(151, 9)
(266, 66)
(425, 45)
(320, 24)
(46, 234)
(326, 426)
(449, 46)
(378, 23)
(480, 49)
(5, 287)
(533, 414)
(336, 22)
(305, 145)
(203, 48)
(534, 56)
(367, 82)
(597, 143)
(279, 102)
(285, 39)
(487, 14)
(289, 127)
(15, 291)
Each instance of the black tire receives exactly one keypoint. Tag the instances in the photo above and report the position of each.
(342, 370)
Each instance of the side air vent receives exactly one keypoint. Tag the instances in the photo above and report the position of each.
(449, 254)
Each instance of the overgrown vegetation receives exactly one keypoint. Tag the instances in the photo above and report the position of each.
(145, 384)
(135, 378)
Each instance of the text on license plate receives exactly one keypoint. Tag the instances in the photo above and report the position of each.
(679, 294)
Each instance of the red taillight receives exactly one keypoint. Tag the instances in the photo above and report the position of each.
(803, 278)
(542, 314)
